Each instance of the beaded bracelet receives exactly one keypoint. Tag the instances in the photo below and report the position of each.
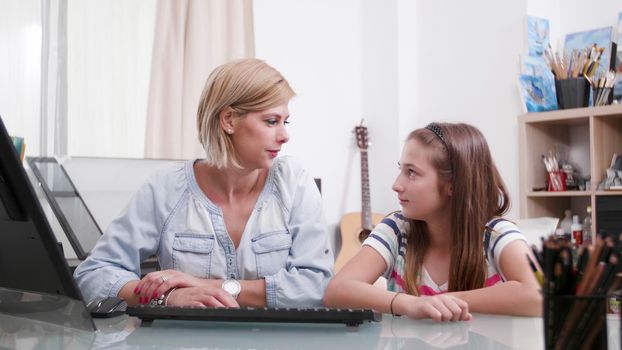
(168, 294)
(162, 300)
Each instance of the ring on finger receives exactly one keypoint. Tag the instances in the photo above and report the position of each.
(164, 279)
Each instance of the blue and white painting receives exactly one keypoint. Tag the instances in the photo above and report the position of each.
(601, 37)
(537, 35)
(538, 92)
(535, 66)
(617, 90)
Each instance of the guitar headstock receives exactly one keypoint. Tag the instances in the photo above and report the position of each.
(362, 140)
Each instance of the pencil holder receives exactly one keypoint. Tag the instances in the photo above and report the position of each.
(602, 96)
(572, 93)
(573, 322)
(557, 181)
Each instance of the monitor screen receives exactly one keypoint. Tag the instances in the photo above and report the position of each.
(68, 206)
(35, 280)
(30, 257)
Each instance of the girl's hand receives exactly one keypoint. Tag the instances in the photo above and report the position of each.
(201, 297)
(156, 283)
(440, 308)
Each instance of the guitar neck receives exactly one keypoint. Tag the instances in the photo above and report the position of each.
(365, 198)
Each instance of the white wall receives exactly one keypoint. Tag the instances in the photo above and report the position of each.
(20, 72)
(341, 58)
(602, 13)
(468, 68)
(408, 67)
(400, 64)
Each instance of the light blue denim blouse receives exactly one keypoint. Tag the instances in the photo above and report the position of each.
(170, 217)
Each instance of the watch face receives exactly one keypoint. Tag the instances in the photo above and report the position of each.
(232, 287)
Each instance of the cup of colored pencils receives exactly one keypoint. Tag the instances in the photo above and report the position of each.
(576, 285)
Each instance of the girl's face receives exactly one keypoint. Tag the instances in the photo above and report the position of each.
(422, 194)
(259, 136)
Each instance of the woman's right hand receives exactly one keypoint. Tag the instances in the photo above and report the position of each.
(440, 307)
(201, 297)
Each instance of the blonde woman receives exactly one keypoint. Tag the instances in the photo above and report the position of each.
(241, 227)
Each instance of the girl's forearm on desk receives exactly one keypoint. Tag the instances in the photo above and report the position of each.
(524, 301)
(357, 294)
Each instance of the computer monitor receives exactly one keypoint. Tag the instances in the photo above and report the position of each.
(35, 280)
(72, 213)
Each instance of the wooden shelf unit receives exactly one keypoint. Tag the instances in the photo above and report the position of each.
(592, 134)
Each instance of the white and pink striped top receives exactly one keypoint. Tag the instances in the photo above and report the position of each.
(390, 237)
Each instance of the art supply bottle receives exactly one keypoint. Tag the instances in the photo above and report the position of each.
(577, 231)
(588, 234)
(566, 224)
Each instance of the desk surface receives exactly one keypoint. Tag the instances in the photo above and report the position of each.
(483, 332)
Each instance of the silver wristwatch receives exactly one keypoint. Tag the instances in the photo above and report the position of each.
(232, 287)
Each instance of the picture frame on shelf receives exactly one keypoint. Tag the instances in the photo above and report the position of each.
(602, 37)
(537, 35)
(537, 92)
(617, 89)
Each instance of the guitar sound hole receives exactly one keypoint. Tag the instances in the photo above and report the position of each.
(363, 235)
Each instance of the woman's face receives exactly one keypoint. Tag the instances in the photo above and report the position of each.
(421, 194)
(259, 136)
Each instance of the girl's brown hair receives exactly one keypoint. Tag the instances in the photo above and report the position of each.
(461, 156)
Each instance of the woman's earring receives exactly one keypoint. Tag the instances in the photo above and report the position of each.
(229, 131)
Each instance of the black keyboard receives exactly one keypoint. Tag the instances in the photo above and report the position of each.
(149, 313)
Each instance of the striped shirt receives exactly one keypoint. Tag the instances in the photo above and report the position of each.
(390, 238)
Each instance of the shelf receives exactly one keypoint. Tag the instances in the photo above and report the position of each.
(609, 193)
(590, 136)
(545, 194)
(570, 116)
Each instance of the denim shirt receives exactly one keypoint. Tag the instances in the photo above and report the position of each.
(285, 240)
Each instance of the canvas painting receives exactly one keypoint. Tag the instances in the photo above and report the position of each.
(537, 85)
(537, 35)
(538, 92)
(617, 90)
(535, 66)
(602, 37)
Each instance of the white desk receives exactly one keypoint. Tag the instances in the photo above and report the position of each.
(483, 332)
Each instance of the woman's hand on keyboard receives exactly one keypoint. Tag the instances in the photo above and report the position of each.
(201, 297)
(440, 308)
(157, 283)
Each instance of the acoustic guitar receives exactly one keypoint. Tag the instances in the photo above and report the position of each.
(356, 227)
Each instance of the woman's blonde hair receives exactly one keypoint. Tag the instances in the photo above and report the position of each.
(460, 155)
(245, 85)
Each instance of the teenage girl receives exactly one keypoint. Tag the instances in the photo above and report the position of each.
(448, 251)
